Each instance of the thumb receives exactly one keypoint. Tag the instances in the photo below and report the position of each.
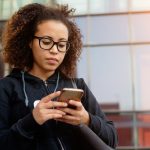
(50, 96)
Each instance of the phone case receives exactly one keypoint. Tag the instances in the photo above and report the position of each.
(71, 94)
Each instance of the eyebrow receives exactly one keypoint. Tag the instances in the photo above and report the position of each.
(63, 39)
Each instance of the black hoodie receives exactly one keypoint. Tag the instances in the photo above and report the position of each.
(19, 130)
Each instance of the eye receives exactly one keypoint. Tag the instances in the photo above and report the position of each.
(62, 44)
(46, 41)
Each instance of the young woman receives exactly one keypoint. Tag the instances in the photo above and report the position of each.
(42, 46)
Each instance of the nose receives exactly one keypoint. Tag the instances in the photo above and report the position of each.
(54, 49)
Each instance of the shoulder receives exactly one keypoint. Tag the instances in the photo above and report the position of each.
(7, 82)
(13, 76)
(4, 83)
(80, 82)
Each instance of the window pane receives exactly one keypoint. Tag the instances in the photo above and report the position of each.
(108, 6)
(140, 27)
(96, 6)
(138, 5)
(142, 76)
(7, 7)
(109, 29)
(124, 126)
(143, 130)
(82, 23)
(109, 74)
(82, 69)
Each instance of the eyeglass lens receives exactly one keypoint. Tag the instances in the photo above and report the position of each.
(47, 44)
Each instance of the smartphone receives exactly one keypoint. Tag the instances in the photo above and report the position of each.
(70, 94)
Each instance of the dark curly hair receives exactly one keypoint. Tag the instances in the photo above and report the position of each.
(20, 29)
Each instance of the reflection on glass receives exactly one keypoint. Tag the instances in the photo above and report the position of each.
(107, 6)
(110, 75)
(8, 7)
(142, 76)
(82, 23)
(109, 29)
(96, 6)
(138, 5)
(124, 126)
(140, 24)
(143, 130)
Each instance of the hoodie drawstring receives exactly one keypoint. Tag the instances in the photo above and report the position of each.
(24, 89)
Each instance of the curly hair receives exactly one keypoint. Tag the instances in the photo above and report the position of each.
(20, 29)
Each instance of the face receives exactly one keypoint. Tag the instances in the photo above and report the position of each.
(48, 60)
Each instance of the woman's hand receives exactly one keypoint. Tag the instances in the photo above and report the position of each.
(75, 116)
(46, 109)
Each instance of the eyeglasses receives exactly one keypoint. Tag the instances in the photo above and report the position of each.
(47, 43)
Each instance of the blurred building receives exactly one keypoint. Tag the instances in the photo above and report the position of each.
(115, 62)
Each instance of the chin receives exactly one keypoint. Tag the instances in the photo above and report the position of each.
(50, 69)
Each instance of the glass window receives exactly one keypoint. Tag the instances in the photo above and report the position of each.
(107, 6)
(140, 27)
(125, 128)
(108, 29)
(10, 6)
(109, 74)
(96, 6)
(6, 9)
(82, 23)
(139, 5)
(82, 69)
(143, 130)
(142, 76)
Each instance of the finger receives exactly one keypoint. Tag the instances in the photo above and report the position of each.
(53, 111)
(53, 116)
(70, 111)
(50, 96)
(77, 104)
(54, 104)
(71, 118)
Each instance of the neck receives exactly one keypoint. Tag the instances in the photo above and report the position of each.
(40, 74)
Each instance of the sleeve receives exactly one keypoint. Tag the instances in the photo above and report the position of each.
(98, 122)
(14, 135)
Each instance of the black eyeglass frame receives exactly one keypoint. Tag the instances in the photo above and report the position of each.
(54, 43)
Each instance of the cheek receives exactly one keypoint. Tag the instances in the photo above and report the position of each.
(37, 52)
(62, 58)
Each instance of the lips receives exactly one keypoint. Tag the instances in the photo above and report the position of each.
(52, 61)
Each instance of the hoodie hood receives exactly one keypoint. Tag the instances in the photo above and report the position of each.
(26, 77)
(17, 73)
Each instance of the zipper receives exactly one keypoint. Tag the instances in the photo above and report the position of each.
(46, 84)
(58, 139)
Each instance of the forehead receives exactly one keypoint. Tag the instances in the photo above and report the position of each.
(52, 28)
